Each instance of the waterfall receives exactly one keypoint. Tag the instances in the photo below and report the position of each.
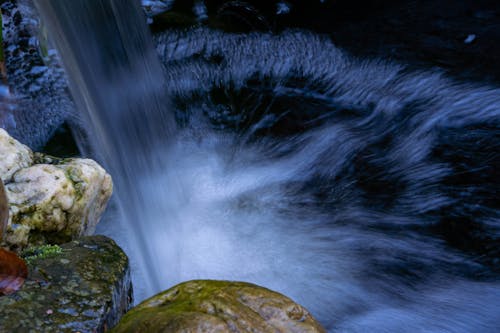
(359, 189)
(118, 84)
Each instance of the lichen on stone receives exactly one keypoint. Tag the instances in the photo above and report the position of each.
(81, 286)
(56, 199)
(218, 306)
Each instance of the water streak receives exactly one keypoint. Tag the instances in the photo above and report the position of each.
(116, 79)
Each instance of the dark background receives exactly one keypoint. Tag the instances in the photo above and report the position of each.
(419, 34)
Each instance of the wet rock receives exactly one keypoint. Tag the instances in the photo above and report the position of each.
(58, 202)
(53, 200)
(84, 287)
(13, 156)
(218, 306)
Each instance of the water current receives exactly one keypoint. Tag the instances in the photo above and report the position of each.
(361, 190)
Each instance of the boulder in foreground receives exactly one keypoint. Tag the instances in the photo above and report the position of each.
(218, 307)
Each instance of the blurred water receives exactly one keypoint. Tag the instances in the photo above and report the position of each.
(330, 179)
(116, 80)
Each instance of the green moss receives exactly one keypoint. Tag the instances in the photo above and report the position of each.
(74, 175)
(40, 252)
(73, 289)
(218, 306)
(26, 213)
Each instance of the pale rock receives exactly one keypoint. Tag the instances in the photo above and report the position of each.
(50, 199)
(62, 201)
(13, 156)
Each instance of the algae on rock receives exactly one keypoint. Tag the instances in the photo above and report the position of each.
(218, 306)
(83, 287)
(51, 200)
(40, 252)
(59, 202)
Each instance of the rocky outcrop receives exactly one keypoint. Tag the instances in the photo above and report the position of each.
(83, 287)
(218, 306)
(51, 200)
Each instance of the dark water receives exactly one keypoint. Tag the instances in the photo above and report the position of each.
(363, 190)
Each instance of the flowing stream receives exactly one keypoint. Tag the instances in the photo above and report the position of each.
(278, 160)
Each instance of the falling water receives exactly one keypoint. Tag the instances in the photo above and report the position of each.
(338, 182)
(116, 79)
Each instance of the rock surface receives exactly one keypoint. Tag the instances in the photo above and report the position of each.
(84, 288)
(13, 156)
(51, 200)
(57, 202)
(218, 306)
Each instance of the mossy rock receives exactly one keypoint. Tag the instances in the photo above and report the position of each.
(56, 202)
(33, 253)
(51, 200)
(218, 306)
(81, 286)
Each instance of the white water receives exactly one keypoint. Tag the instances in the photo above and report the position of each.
(116, 80)
(287, 213)
(234, 220)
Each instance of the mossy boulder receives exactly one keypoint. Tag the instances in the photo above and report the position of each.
(57, 202)
(81, 286)
(218, 306)
(51, 200)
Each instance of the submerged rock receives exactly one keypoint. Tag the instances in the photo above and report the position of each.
(218, 306)
(84, 287)
(51, 200)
